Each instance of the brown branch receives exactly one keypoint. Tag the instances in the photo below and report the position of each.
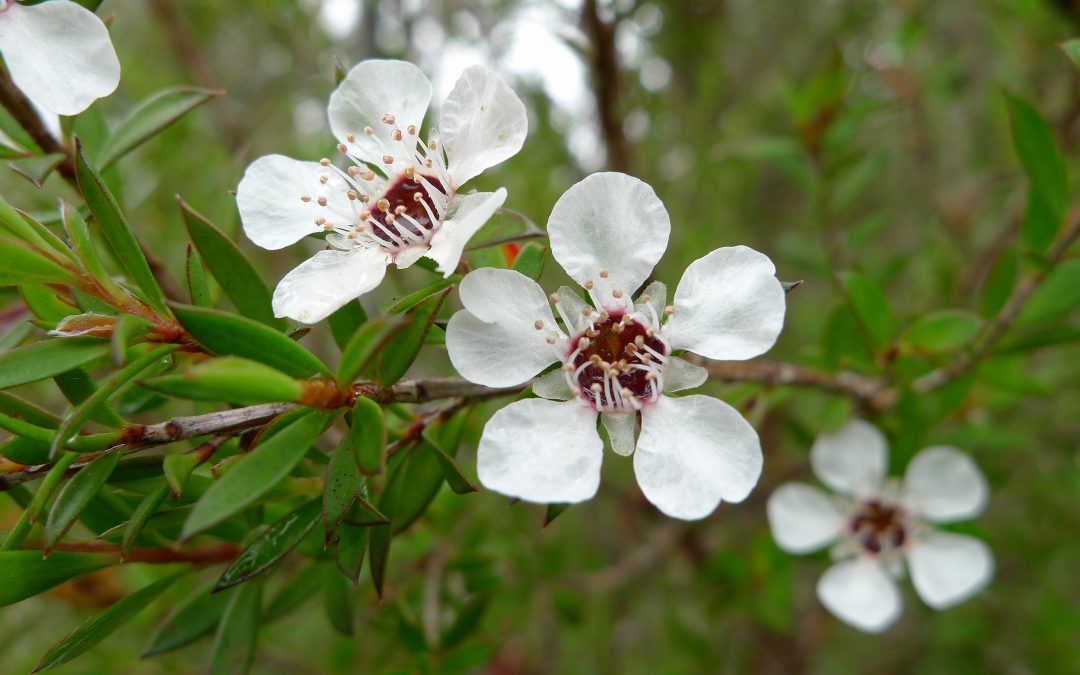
(607, 82)
(207, 555)
(1001, 323)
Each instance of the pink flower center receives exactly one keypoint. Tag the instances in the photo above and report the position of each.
(878, 527)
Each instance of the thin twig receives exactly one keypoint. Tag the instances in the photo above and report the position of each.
(207, 555)
(607, 82)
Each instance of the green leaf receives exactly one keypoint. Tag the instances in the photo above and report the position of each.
(870, 306)
(272, 545)
(942, 331)
(25, 228)
(380, 536)
(350, 548)
(20, 264)
(139, 518)
(341, 487)
(301, 587)
(1045, 167)
(530, 260)
(1072, 50)
(177, 469)
(37, 168)
(76, 386)
(1055, 297)
(78, 416)
(346, 321)
(44, 303)
(453, 475)
(115, 227)
(255, 474)
(416, 297)
(76, 494)
(229, 378)
(553, 511)
(128, 327)
(238, 631)
(367, 436)
(1000, 282)
(99, 627)
(151, 117)
(365, 344)
(337, 599)
(195, 617)
(231, 268)
(198, 285)
(391, 364)
(232, 335)
(24, 574)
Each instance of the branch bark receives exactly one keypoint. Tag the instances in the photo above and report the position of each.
(607, 84)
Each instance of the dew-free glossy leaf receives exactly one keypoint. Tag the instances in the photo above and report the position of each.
(390, 364)
(139, 518)
(870, 306)
(365, 344)
(41, 360)
(272, 545)
(346, 321)
(337, 599)
(150, 117)
(76, 495)
(196, 616)
(19, 264)
(367, 436)
(229, 378)
(530, 260)
(24, 574)
(942, 331)
(238, 631)
(1048, 196)
(341, 487)
(197, 283)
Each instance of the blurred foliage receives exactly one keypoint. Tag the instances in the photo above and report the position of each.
(866, 147)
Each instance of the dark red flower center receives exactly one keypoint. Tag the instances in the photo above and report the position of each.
(617, 359)
(403, 212)
(878, 527)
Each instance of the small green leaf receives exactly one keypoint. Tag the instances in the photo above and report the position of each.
(1056, 296)
(153, 114)
(346, 321)
(1000, 282)
(553, 511)
(75, 496)
(1045, 167)
(115, 227)
(349, 551)
(177, 469)
(365, 344)
(341, 487)
(127, 328)
(258, 472)
(391, 364)
(367, 436)
(83, 245)
(530, 260)
(198, 284)
(423, 476)
(43, 436)
(44, 303)
(232, 335)
(37, 168)
(99, 627)
(870, 306)
(21, 264)
(337, 599)
(238, 631)
(381, 535)
(231, 268)
(1072, 50)
(272, 545)
(139, 518)
(942, 331)
(300, 588)
(453, 475)
(229, 378)
(196, 616)
(24, 574)
(416, 297)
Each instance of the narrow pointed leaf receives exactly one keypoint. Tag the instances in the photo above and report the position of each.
(553, 511)
(24, 574)
(139, 518)
(416, 297)
(341, 487)
(177, 469)
(349, 551)
(83, 245)
(391, 364)
(229, 378)
(150, 117)
(49, 358)
(76, 495)
(272, 545)
(453, 475)
(196, 616)
(1048, 196)
(363, 347)
(337, 599)
(530, 260)
(238, 632)
(37, 168)
(345, 321)
(367, 436)
(128, 327)
(198, 285)
(19, 264)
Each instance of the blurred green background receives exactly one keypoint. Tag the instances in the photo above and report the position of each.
(868, 135)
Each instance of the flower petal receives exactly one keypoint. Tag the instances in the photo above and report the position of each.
(495, 341)
(321, 285)
(269, 198)
(680, 374)
(59, 54)
(851, 460)
(728, 305)
(473, 210)
(944, 485)
(483, 123)
(803, 518)
(541, 451)
(371, 90)
(552, 386)
(657, 294)
(861, 594)
(949, 568)
(613, 222)
(694, 452)
(571, 310)
(621, 428)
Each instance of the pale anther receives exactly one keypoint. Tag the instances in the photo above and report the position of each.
(669, 310)
(369, 131)
(324, 161)
(305, 198)
(411, 129)
(603, 273)
(383, 204)
(354, 170)
(538, 324)
(387, 159)
(350, 138)
(554, 298)
(400, 209)
(432, 144)
(588, 284)
(616, 293)
(323, 179)
(342, 148)
(351, 194)
(368, 175)
(388, 118)
(396, 135)
(322, 201)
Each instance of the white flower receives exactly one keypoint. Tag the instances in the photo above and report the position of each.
(608, 232)
(58, 53)
(881, 524)
(415, 210)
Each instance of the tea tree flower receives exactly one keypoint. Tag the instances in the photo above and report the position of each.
(882, 525)
(399, 197)
(617, 357)
(58, 53)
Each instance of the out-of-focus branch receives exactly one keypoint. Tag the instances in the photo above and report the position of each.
(207, 555)
(607, 85)
(1000, 324)
(16, 103)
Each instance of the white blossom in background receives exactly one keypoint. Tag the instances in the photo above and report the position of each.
(879, 526)
(412, 208)
(616, 358)
(59, 54)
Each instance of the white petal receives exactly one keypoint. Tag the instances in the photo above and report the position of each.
(495, 342)
(728, 305)
(571, 309)
(406, 257)
(944, 485)
(59, 54)
(680, 374)
(609, 221)
(483, 123)
(552, 386)
(860, 593)
(472, 211)
(621, 428)
(851, 460)
(371, 90)
(803, 518)
(269, 195)
(657, 293)
(949, 568)
(322, 284)
(694, 452)
(541, 451)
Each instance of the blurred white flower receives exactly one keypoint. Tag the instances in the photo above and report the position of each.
(617, 358)
(882, 524)
(413, 210)
(58, 53)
